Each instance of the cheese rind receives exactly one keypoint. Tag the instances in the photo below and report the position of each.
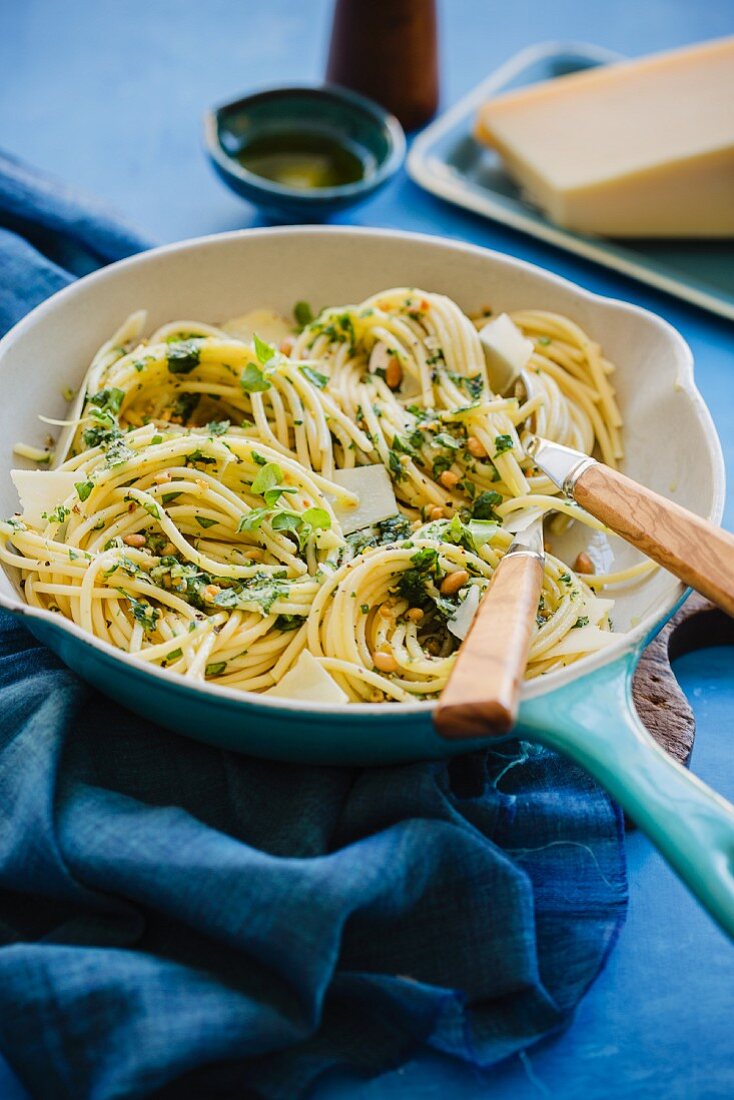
(639, 148)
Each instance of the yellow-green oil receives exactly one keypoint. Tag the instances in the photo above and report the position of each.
(302, 160)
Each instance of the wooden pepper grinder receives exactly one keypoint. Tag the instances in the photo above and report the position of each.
(387, 50)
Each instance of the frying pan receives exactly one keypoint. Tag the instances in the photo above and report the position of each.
(584, 710)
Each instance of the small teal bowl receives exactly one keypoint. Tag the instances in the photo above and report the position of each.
(335, 114)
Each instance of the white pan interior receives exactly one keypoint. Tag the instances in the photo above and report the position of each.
(669, 437)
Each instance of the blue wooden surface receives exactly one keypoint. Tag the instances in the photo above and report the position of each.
(109, 95)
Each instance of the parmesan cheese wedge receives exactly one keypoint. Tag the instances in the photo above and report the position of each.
(642, 148)
(41, 491)
(308, 681)
(376, 497)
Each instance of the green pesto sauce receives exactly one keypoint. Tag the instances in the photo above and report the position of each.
(303, 160)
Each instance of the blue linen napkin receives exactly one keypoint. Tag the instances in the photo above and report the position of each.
(181, 921)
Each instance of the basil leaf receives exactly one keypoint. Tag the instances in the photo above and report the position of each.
(318, 518)
(253, 519)
(268, 476)
(264, 352)
(252, 379)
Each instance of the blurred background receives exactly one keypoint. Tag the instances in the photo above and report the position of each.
(109, 94)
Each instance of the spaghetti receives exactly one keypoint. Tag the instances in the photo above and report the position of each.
(201, 521)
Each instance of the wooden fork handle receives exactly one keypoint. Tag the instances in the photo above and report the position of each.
(481, 696)
(692, 548)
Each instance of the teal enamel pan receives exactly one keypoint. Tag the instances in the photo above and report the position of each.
(584, 710)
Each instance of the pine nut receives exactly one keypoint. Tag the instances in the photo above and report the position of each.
(168, 550)
(385, 611)
(449, 479)
(475, 447)
(134, 540)
(254, 553)
(385, 662)
(162, 479)
(393, 374)
(415, 614)
(286, 345)
(583, 564)
(210, 591)
(436, 512)
(453, 582)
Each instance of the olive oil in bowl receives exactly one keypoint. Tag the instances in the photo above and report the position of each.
(305, 160)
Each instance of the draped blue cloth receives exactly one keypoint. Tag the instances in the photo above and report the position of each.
(180, 921)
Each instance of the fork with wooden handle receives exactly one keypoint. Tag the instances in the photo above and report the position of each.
(482, 693)
(692, 548)
(481, 696)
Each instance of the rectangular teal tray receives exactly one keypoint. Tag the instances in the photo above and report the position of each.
(446, 160)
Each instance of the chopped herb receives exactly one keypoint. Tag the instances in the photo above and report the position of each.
(172, 656)
(183, 357)
(215, 668)
(143, 612)
(364, 608)
(502, 443)
(288, 622)
(303, 314)
(205, 521)
(83, 489)
(58, 515)
(565, 577)
(395, 466)
(315, 377)
(544, 341)
(483, 507)
(583, 620)
(258, 459)
(198, 458)
(218, 427)
(168, 498)
(156, 440)
(151, 509)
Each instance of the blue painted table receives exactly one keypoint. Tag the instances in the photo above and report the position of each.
(110, 95)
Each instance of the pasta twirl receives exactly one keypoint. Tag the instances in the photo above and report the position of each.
(206, 529)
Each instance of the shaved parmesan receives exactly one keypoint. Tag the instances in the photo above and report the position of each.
(376, 497)
(519, 521)
(308, 681)
(462, 619)
(506, 350)
(581, 639)
(42, 490)
(269, 325)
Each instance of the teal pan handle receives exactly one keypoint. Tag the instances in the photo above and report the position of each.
(593, 720)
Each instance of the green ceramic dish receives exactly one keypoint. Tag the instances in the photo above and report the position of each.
(344, 145)
(584, 710)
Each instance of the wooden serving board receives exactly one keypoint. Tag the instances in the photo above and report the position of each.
(660, 703)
